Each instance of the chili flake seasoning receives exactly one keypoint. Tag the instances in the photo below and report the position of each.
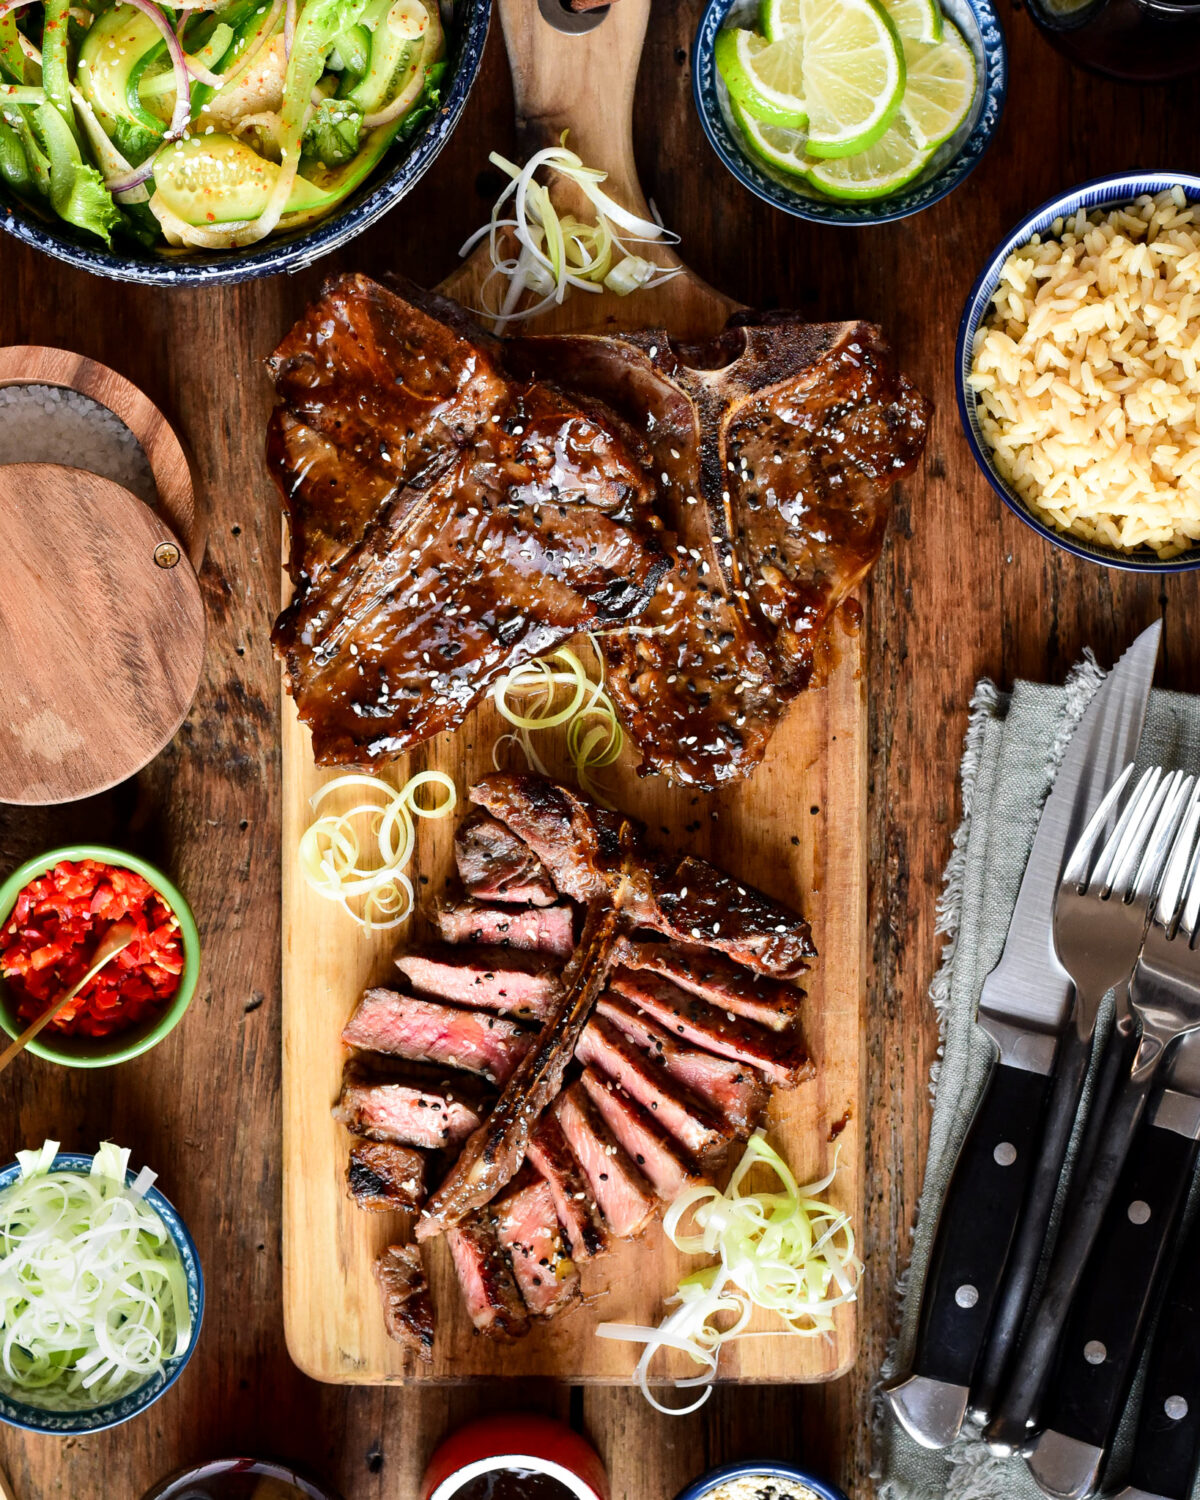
(59, 921)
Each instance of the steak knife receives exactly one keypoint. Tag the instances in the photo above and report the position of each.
(1103, 1337)
(1166, 1447)
(1024, 1007)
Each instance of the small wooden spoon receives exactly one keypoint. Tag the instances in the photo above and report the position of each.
(118, 939)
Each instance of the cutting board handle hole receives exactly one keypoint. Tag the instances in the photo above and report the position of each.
(571, 22)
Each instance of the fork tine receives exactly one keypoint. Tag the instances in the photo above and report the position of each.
(1191, 905)
(1158, 834)
(1081, 856)
(1171, 891)
(1146, 800)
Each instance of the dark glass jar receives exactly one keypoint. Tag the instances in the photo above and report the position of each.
(241, 1479)
(1138, 41)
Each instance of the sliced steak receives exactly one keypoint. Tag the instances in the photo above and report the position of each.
(658, 1159)
(624, 1195)
(699, 1129)
(407, 1310)
(779, 1056)
(534, 929)
(499, 979)
(384, 1178)
(495, 865)
(494, 1153)
(735, 1091)
(687, 899)
(426, 1031)
(489, 1287)
(573, 1201)
(726, 985)
(408, 1106)
(527, 1227)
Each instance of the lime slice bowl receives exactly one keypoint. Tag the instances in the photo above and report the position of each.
(763, 157)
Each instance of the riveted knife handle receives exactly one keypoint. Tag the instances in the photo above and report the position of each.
(1070, 1074)
(1166, 1450)
(978, 1221)
(1102, 1339)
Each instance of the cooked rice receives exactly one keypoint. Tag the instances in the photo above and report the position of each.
(1087, 370)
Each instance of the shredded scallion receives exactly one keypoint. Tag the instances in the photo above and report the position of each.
(786, 1252)
(557, 252)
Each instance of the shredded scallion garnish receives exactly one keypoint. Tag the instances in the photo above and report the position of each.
(93, 1293)
(786, 1252)
(337, 866)
(557, 251)
(541, 686)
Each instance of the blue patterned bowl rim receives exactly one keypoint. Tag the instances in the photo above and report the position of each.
(751, 1469)
(113, 1413)
(921, 194)
(1099, 193)
(301, 248)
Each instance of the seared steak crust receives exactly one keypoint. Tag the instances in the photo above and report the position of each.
(407, 1310)
(383, 1178)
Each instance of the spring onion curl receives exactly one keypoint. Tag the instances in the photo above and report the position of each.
(559, 251)
(594, 735)
(93, 1293)
(340, 868)
(786, 1252)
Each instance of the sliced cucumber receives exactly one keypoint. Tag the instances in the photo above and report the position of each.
(119, 45)
(217, 179)
(404, 35)
(353, 48)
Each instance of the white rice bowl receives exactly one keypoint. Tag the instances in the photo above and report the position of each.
(1087, 374)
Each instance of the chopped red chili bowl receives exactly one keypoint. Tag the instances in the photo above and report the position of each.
(59, 921)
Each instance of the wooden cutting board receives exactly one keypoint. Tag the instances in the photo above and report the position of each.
(796, 829)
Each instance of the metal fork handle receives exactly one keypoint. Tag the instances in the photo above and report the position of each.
(1070, 1074)
(1011, 1428)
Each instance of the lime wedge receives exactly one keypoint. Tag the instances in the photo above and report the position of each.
(773, 144)
(853, 72)
(916, 20)
(894, 160)
(763, 77)
(777, 17)
(941, 87)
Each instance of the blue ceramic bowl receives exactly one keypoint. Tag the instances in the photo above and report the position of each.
(951, 162)
(1100, 194)
(405, 164)
(113, 1413)
(767, 1469)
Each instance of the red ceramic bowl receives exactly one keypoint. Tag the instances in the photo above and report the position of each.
(516, 1440)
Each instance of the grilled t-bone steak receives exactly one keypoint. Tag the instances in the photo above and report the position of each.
(683, 898)
(384, 1178)
(481, 520)
(424, 1031)
(495, 865)
(407, 1310)
(459, 504)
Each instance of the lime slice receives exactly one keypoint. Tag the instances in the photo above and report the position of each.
(941, 87)
(853, 72)
(763, 77)
(894, 160)
(916, 20)
(773, 144)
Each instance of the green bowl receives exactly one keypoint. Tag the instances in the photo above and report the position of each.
(103, 1052)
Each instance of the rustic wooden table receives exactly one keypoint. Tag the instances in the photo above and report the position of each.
(963, 590)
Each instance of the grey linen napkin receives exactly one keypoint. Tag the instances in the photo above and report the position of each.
(1013, 745)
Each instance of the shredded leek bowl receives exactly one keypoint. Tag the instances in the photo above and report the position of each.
(101, 1291)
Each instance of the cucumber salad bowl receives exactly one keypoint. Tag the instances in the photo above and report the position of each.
(217, 140)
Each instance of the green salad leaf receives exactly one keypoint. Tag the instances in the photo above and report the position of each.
(77, 189)
(332, 135)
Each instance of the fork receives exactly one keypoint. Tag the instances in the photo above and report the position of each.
(1100, 924)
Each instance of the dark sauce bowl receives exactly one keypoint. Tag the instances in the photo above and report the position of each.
(466, 32)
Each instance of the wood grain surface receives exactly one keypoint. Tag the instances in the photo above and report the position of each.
(963, 589)
(101, 634)
(797, 829)
(35, 364)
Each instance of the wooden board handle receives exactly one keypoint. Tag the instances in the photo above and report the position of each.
(581, 83)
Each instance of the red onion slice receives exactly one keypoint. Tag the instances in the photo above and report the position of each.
(183, 88)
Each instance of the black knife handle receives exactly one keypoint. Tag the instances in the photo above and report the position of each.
(1102, 1338)
(977, 1223)
(1009, 1429)
(1070, 1074)
(1166, 1450)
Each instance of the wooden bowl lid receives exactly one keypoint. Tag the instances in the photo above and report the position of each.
(101, 633)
